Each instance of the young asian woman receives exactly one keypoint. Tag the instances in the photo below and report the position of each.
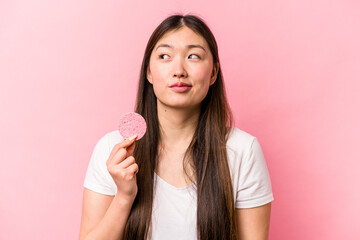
(193, 175)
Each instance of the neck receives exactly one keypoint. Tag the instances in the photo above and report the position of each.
(177, 126)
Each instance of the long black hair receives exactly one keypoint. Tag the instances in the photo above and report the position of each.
(216, 218)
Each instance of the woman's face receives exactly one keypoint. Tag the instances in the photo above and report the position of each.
(181, 69)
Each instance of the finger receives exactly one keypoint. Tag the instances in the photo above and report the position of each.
(130, 149)
(122, 154)
(133, 168)
(118, 157)
(123, 144)
(127, 162)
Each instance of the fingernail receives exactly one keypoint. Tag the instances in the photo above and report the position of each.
(132, 138)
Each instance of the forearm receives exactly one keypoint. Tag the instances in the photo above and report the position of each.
(113, 223)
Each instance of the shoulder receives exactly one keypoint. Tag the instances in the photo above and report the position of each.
(248, 169)
(239, 145)
(239, 140)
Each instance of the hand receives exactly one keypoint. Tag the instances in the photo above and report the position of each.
(122, 168)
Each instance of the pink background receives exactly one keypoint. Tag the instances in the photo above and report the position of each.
(69, 69)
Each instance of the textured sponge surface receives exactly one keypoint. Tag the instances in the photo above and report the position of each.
(131, 124)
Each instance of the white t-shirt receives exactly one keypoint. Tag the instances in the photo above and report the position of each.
(174, 209)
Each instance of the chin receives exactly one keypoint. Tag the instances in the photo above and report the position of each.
(178, 103)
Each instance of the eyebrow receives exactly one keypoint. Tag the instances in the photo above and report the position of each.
(188, 46)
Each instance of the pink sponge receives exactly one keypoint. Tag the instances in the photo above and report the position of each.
(131, 124)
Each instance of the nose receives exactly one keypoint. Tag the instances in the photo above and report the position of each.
(179, 69)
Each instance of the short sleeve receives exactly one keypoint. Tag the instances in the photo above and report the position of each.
(97, 178)
(254, 188)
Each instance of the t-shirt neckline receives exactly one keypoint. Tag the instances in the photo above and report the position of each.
(172, 186)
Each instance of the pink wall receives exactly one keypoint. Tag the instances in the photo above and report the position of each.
(69, 69)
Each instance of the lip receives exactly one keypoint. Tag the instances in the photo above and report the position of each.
(180, 84)
(180, 87)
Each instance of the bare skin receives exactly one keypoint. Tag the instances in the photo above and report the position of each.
(253, 223)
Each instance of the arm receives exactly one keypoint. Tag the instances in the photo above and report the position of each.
(253, 223)
(103, 216)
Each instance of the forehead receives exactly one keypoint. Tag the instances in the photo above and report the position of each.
(182, 37)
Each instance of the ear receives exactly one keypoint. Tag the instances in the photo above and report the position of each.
(148, 75)
(214, 73)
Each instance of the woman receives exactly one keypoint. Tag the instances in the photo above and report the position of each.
(192, 175)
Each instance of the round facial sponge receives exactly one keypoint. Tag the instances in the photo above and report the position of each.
(131, 124)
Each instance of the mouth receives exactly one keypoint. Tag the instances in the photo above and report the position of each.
(180, 87)
(180, 84)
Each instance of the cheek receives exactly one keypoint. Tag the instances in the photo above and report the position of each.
(202, 74)
(158, 79)
(158, 73)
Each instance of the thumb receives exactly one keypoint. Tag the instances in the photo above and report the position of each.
(130, 148)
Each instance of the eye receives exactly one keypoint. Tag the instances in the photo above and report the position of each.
(161, 56)
(196, 56)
